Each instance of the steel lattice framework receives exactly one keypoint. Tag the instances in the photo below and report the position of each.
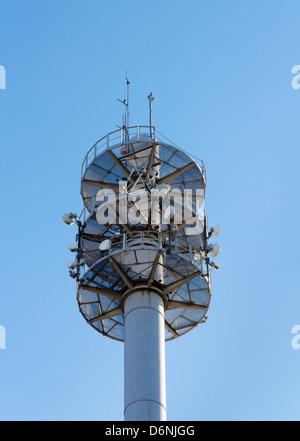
(138, 255)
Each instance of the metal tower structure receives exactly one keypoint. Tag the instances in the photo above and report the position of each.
(143, 258)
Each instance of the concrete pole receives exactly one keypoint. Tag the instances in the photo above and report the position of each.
(144, 357)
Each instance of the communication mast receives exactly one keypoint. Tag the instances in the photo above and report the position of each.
(143, 258)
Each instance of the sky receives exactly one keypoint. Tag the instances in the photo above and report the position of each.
(221, 75)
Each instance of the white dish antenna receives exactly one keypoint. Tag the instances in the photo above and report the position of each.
(214, 249)
(72, 247)
(104, 246)
(69, 218)
(216, 230)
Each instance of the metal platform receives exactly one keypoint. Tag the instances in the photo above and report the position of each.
(129, 155)
(141, 254)
(139, 259)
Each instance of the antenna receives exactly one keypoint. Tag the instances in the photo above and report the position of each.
(150, 98)
(126, 104)
(127, 115)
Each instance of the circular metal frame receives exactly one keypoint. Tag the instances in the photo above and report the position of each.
(164, 258)
(131, 158)
(180, 274)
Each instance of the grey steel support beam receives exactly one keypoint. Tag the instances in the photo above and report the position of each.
(152, 274)
(106, 315)
(172, 304)
(120, 165)
(103, 291)
(169, 288)
(170, 329)
(110, 186)
(121, 273)
(151, 159)
(168, 178)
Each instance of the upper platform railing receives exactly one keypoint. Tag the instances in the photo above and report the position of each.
(118, 137)
(125, 136)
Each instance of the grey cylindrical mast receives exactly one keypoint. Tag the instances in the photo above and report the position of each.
(144, 357)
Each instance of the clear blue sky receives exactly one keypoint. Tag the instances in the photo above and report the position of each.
(221, 77)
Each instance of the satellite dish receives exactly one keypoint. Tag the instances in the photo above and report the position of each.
(104, 246)
(70, 264)
(69, 218)
(216, 230)
(72, 247)
(214, 249)
(170, 211)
